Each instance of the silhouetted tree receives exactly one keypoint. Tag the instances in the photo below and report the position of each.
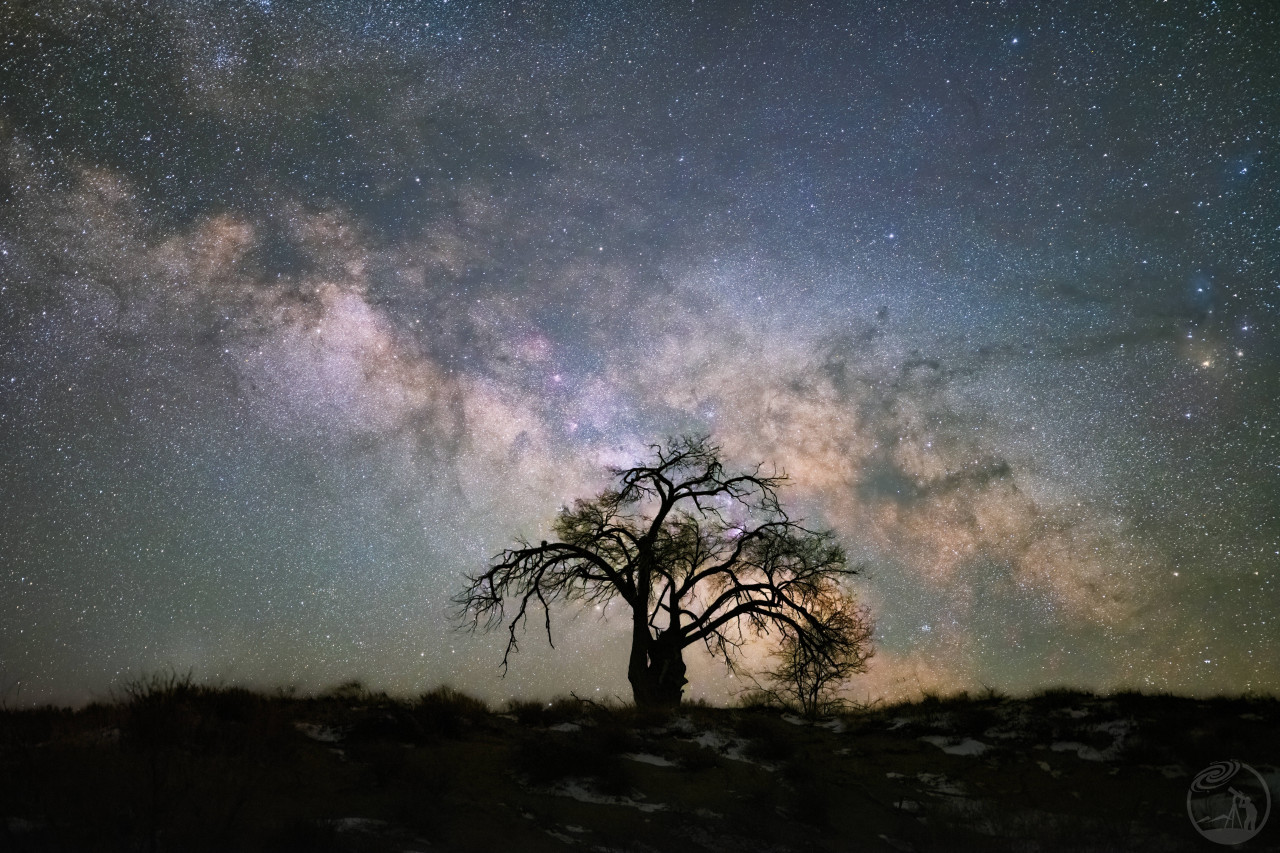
(697, 554)
(809, 675)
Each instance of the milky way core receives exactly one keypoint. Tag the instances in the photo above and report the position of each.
(304, 312)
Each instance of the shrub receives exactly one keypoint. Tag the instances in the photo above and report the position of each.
(445, 712)
(530, 712)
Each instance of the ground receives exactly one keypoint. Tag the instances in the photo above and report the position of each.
(176, 766)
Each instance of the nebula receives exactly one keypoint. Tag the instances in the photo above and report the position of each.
(304, 314)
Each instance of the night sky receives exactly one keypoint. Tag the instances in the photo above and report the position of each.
(305, 311)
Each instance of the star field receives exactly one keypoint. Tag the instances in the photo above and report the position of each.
(305, 311)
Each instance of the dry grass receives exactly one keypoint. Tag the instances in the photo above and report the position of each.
(171, 764)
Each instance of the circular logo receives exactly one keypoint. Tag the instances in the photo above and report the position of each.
(1228, 802)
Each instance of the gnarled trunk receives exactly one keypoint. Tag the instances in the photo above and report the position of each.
(656, 670)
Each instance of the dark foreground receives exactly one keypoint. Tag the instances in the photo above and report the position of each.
(178, 767)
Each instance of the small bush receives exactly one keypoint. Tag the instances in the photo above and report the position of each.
(528, 712)
(157, 687)
(758, 700)
(535, 713)
(1062, 696)
(163, 710)
(446, 712)
(354, 690)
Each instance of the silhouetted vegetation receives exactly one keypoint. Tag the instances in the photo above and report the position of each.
(697, 555)
(171, 764)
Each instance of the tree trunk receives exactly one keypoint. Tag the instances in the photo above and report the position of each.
(656, 667)
(656, 671)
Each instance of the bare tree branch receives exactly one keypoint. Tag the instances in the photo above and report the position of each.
(714, 551)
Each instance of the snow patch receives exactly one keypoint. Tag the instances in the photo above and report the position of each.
(681, 725)
(1084, 751)
(655, 760)
(1118, 729)
(939, 784)
(731, 748)
(566, 727)
(712, 740)
(967, 746)
(578, 790)
(835, 723)
(322, 733)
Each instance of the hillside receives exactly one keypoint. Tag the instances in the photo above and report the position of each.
(176, 766)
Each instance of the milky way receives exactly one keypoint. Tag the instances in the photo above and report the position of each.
(306, 311)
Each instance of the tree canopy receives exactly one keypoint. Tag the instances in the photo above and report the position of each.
(697, 554)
